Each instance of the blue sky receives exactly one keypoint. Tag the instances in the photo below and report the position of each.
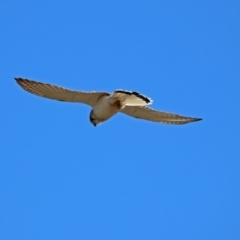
(62, 178)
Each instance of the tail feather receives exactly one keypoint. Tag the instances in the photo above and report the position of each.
(131, 98)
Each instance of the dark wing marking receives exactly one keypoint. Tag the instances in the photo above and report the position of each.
(141, 96)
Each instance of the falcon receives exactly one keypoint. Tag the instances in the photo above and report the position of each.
(105, 105)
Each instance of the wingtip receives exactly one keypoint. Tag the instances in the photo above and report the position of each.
(18, 79)
(197, 119)
(22, 81)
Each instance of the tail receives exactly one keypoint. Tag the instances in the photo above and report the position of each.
(131, 98)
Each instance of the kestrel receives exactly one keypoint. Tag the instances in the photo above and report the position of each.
(105, 105)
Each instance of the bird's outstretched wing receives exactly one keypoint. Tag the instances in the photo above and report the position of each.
(59, 93)
(157, 116)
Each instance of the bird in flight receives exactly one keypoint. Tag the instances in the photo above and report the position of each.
(105, 105)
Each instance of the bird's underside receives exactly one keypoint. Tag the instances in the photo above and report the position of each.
(132, 104)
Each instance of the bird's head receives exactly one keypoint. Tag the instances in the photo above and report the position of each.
(93, 119)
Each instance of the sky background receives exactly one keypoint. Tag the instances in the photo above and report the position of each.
(62, 178)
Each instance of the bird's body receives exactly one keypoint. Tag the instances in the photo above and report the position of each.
(105, 105)
(104, 109)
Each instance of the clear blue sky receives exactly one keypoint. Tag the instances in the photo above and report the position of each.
(62, 178)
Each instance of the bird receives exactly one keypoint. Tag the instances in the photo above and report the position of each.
(104, 104)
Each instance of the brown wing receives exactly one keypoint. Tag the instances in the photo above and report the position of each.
(59, 93)
(157, 116)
